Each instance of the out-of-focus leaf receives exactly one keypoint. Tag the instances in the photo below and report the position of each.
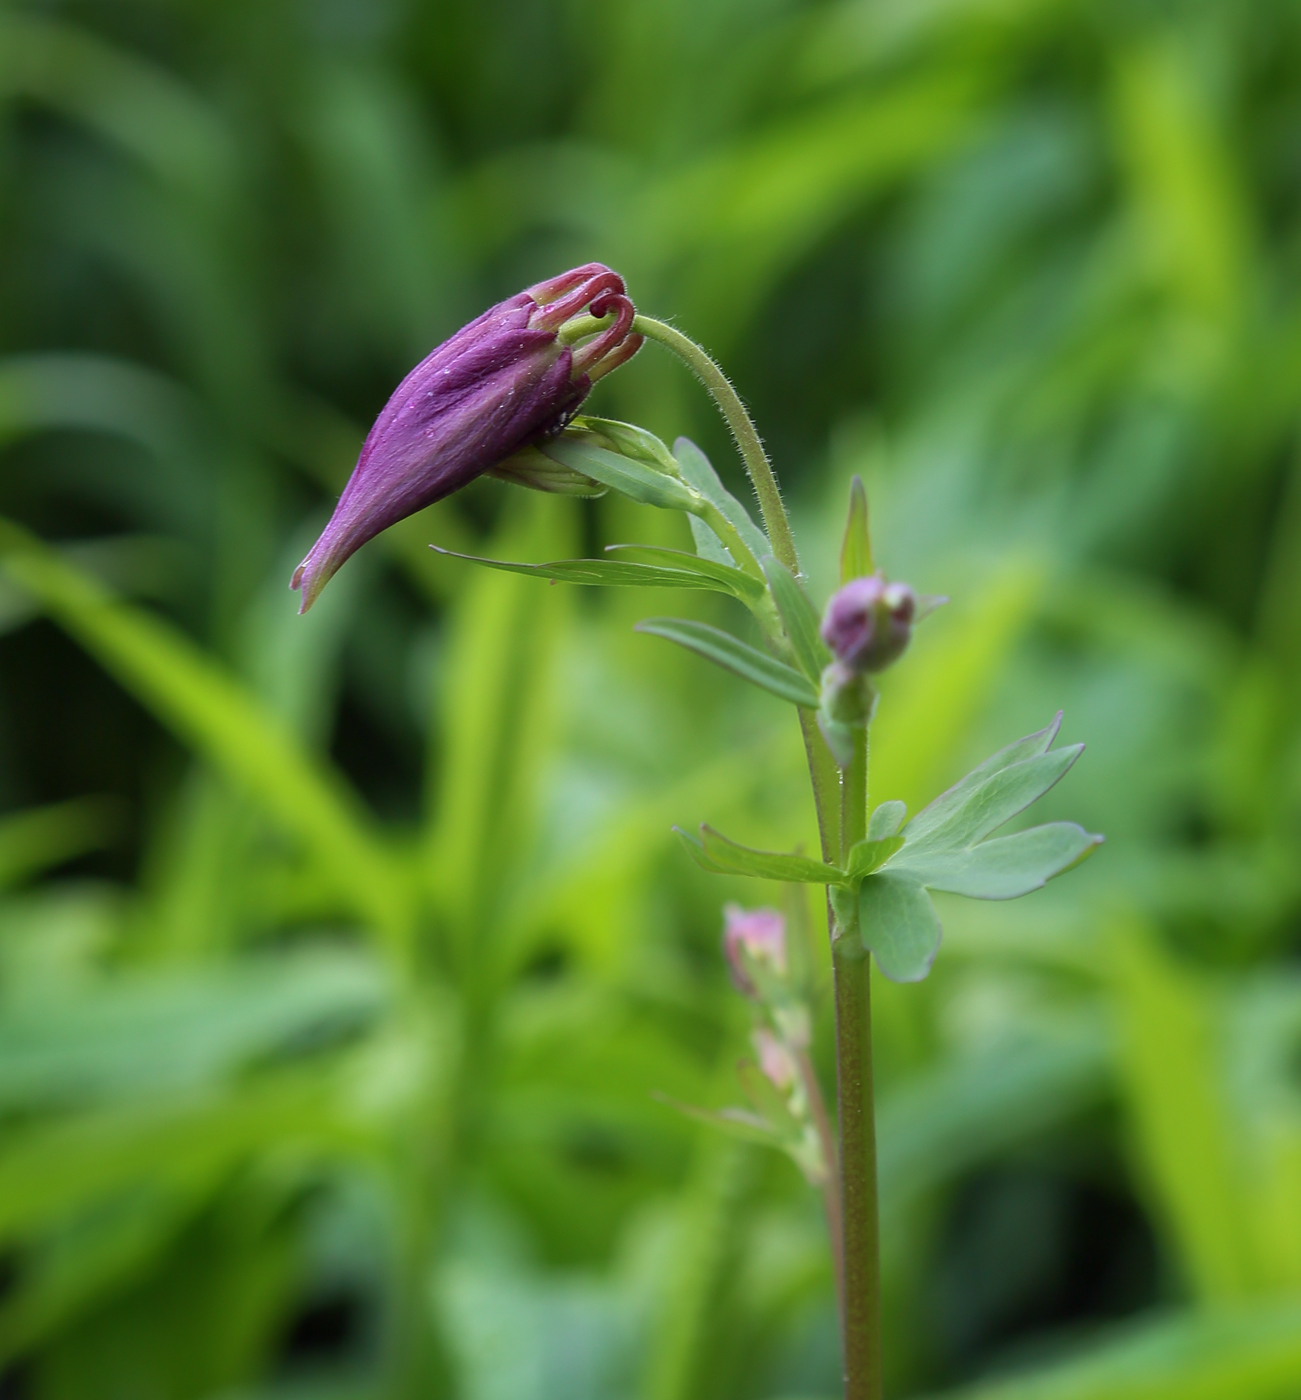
(898, 925)
(736, 656)
(33, 841)
(1250, 1353)
(799, 618)
(148, 1033)
(210, 710)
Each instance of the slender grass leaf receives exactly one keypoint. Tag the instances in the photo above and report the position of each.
(1007, 866)
(766, 865)
(744, 585)
(210, 710)
(34, 841)
(633, 479)
(735, 1122)
(856, 546)
(1246, 1352)
(870, 855)
(886, 820)
(799, 618)
(898, 924)
(736, 656)
(615, 573)
(699, 472)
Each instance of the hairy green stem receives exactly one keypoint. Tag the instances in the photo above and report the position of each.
(861, 1313)
(739, 421)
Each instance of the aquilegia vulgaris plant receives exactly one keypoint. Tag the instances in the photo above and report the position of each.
(500, 397)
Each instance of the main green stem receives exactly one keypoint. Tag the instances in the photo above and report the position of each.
(861, 1314)
(776, 525)
(842, 821)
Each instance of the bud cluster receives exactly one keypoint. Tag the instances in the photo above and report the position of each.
(779, 1083)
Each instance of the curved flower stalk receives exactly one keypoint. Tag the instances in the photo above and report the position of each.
(500, 396)
(498, 385)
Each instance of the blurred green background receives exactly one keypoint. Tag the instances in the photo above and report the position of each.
(340, 957)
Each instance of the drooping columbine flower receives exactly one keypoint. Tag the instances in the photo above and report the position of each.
(868, 622)
(754, 940)
(506, 380)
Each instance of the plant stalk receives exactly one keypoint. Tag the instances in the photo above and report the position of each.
(851, 966)
(738, 418)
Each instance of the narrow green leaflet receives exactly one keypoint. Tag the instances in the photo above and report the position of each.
(886, 820)
(898, 924)
(698, 471)
(732, 858)
(620, 473)
(945, 848)
(616, 573)
(1008, 866)
(744, 585)
(870, 855)
(939, 811)
(736, 656)
(799, 618)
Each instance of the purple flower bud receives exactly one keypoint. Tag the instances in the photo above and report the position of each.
(500, 383)
(868, 622)
(775, 1060)
(753, 938)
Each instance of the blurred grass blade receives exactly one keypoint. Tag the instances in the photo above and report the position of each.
(34, 841)
(211, 711)
(1245, 1353)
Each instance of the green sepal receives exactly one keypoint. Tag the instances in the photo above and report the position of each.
(799, 618)
(630, 478)
(736, 656)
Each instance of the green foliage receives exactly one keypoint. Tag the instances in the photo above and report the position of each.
(340, 957)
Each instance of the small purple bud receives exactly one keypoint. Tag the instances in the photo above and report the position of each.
(775, 1060)
(868, 622)
(504, 381)
(752, 939)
